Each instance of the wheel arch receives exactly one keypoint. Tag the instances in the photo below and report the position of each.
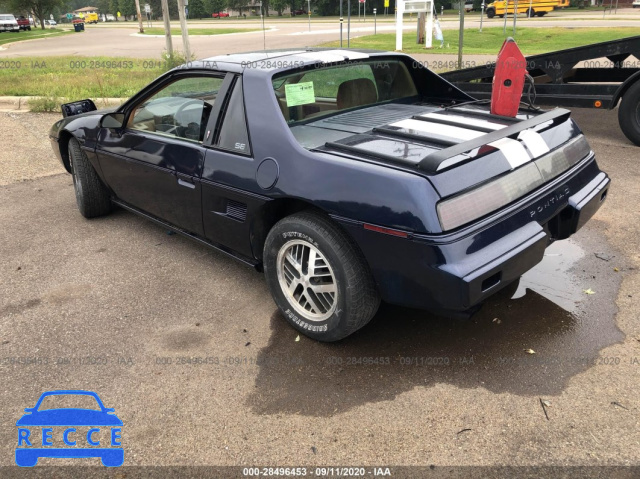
(63, 144)
(275, 210)
(622, 89)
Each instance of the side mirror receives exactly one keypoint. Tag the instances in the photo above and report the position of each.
(112, 120)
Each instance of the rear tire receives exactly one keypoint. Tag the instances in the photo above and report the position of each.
(333, 300)
(92, 195)
(531, 12)
(629, 113)
(541, 14)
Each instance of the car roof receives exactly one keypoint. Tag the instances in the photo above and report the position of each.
(267, 61)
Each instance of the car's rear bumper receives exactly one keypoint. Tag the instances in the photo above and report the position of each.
(456, 273)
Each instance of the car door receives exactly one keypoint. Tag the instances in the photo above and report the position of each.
(154, 163)
(228, 178)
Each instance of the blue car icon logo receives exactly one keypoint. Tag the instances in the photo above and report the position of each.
(69, 432)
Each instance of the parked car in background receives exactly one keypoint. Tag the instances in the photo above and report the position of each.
(50, 23)
(109, 17)
(299, 12)
(636, 3)
(219, 15)
(348, 177)
(23, 23)
(8, 23)
(468, 7)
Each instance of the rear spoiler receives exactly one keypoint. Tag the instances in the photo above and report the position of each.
(432, 162)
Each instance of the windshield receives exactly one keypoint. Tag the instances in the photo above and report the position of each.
(66, 401)
(6, 17)
(317, 92)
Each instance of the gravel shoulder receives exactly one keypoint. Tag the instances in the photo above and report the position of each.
(28, 151)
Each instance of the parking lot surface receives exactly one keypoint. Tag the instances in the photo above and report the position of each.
(188, 347)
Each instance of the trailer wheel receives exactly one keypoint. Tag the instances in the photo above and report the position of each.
(491, 13)
(629, 113)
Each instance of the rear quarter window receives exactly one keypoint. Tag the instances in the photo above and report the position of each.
(233, 131)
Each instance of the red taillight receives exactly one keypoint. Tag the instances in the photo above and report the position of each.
(386, 231)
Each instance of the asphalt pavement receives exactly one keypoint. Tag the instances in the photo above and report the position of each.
(188, 347)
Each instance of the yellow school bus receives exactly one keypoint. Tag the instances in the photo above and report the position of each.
(91, 18)
(526, 7)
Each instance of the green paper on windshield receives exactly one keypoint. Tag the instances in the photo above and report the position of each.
(300, 94)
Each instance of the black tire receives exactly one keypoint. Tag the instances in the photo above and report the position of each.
(92, 195)
(501, 16)
(629, 113)
(356, 298)
(541, 14)
(491, 13)
(530, 12)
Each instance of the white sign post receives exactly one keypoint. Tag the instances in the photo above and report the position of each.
(414, 6)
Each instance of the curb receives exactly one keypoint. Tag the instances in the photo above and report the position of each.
(21, 103)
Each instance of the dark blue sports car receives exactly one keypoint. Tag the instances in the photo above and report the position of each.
(349, 177)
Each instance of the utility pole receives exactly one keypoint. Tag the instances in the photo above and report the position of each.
(341, 21)
(167, 27)
(185, 31)
(461, 33)
(506, 9)
(139, 16)
(348, 23)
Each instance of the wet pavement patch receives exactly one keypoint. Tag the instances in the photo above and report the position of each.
(531, 345)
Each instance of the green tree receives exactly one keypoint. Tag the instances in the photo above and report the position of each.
(40, 9)
(114, 8)
(237, 5)
(127, 7)
(280, 5)
(156, 8)
(196, 9)
(214, 6)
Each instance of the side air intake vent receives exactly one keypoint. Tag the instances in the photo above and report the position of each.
(236, 210)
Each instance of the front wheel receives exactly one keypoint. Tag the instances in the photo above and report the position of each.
(531, 13)
(629, 113)
(318, 277)
(491, 13)
(92, 195)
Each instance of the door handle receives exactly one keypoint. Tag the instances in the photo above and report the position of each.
(181, 182)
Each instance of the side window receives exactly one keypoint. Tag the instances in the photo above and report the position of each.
(181, 109)
(233, 131)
